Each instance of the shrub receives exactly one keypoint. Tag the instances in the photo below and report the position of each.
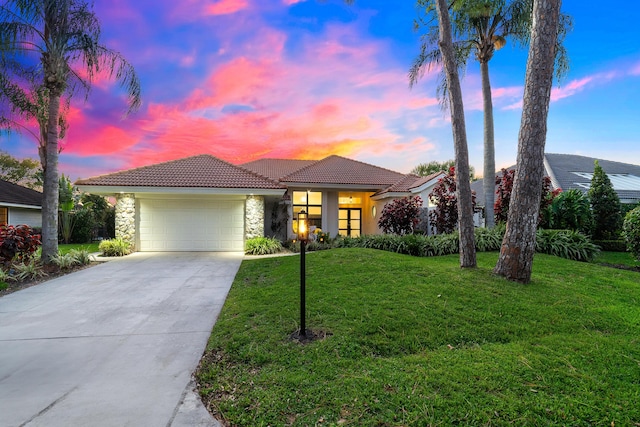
(18, 242)
(612, 245)
(503, 195)
(65, 261)
(489, 239)
(83, 225)
(110, 223)
(605, 205)
(115, 247)
(81, 256)
(571, 210)
(566, 244)
(28, 270)
(262, 246)
(401, 215)
(444, 218)
(5, 277)
(631, 232)
(563, 243)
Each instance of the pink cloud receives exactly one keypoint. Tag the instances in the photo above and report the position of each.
(571, 89)
(267, 102)
(291, 2)
(635, 70)
(226, 7)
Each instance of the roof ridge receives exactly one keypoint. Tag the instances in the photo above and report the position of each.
(314, 162)
(257, 174)
(361, 162)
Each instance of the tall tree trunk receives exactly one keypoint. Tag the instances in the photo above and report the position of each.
(518, 247)
(50, 186)
(489, 179)
(463, 186)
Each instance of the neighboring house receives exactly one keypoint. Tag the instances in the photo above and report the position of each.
(20, 205)
(570, 171)
(202, 203)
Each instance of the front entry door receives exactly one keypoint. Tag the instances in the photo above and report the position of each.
(349, 222)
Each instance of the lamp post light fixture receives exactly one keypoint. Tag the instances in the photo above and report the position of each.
(303, 237)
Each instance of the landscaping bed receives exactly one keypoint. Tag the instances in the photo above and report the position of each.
(51, 273)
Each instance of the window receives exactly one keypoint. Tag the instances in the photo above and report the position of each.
(4, 215)
(311, 202)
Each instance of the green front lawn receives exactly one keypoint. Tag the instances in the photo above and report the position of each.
(420, 342)
(65, 248)
(617, 258)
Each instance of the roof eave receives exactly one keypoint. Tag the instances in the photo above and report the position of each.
(353, 187)
(109, 190)
(427, 184)
(390, 194)
(19, 205)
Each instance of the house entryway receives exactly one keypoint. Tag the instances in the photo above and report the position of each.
(350, 222)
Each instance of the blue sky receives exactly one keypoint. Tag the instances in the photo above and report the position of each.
(246, 79)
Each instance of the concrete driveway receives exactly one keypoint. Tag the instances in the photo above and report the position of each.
(114, 344)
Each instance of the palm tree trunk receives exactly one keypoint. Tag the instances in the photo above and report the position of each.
(489, 180)
(463, 186)
(50, 186)
(519, 243)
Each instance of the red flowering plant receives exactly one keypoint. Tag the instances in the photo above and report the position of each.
(401, 215)
(18, 242)
(503, 196)
(444, 218)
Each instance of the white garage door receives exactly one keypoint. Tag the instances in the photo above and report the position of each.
(191, 225)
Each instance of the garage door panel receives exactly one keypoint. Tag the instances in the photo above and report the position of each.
(191, 225)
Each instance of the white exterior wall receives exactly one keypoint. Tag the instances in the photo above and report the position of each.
(330, 213)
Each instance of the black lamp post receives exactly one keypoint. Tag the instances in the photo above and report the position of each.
(303, 237)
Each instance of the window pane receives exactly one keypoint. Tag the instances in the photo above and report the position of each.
(343, 223)
(342, 214)
(355, 233)
(315, 210)
(3, 215)
(355, 214)
(315, 197)
(299, 197)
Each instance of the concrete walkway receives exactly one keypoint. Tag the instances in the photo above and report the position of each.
(114, 344)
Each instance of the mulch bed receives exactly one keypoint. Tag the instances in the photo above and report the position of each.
(51, 273)
(620, 266)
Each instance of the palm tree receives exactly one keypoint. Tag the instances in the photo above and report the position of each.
(54, 46)
(465, 206)
(481, 27)
(519, 243)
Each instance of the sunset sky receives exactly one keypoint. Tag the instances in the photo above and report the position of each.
(248, 79)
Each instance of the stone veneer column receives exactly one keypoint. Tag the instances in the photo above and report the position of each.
(254, 217)
(126, 218)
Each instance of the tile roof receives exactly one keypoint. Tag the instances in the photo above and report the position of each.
(19, 195)
(424, 179)
(204, 171)
(276, 168)
(340, 170)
